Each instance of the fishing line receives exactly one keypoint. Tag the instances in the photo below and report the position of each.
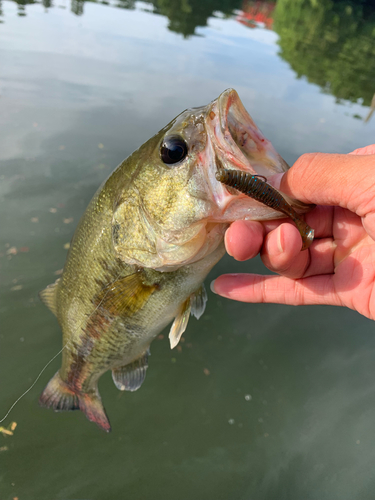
(32, 385)
(57, 354)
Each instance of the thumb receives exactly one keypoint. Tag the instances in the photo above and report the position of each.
(347, 181)
(367, 150)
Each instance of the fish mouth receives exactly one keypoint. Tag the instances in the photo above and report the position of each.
(240, 137)
(236, 143)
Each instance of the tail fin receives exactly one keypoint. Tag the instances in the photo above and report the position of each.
(59, 397)
(92, 407)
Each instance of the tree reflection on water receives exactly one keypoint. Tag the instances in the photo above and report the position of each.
(329, 42)
(186, 15)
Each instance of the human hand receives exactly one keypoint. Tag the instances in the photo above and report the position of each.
(339, 266)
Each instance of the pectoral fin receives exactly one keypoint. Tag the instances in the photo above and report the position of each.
(48, 296)
(125, 296)
(130, 377)
(180, 323)
(198, 302)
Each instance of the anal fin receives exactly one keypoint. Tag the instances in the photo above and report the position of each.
(58, 396)
(130, 377)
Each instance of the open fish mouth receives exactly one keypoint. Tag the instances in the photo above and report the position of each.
(245, 165)
(236, 143)
(252, 151)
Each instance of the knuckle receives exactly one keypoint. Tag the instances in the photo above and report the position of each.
(305, 176)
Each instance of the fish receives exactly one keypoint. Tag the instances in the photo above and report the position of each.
(145, 244)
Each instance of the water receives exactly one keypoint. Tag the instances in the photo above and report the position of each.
(263, 401)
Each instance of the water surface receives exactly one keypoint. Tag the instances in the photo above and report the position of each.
(263, 401)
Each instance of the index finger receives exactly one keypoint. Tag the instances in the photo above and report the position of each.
(347, 181)
(255, 288)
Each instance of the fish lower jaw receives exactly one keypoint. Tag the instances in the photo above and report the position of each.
(241, 207)
(224, 201)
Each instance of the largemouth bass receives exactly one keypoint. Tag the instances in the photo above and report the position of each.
(145, 244)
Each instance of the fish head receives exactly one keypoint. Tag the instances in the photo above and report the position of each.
(173, 211)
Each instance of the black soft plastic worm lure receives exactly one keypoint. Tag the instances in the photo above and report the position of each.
(258, 189)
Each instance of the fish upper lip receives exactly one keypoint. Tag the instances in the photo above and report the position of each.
(234, 122)
(226, 150)
(234, 142)
(245, 146)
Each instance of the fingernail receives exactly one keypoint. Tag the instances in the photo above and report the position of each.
(227, 243)
(212, 286)
(280, 245)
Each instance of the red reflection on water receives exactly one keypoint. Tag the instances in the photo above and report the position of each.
(257, 14)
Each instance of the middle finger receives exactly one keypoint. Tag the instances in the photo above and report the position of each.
(281, 253)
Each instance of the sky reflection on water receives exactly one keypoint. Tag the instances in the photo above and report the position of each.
(331, 43)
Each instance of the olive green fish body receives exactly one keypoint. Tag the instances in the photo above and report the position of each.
(105, 326)
(144, 246)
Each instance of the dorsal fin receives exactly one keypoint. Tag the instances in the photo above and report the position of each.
(48, 296)
(130, 377)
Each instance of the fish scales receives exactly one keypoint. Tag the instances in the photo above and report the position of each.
(144, 246)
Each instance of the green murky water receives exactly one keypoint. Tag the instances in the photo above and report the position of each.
(263, 401)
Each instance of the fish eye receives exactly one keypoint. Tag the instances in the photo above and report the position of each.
(173, 149)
